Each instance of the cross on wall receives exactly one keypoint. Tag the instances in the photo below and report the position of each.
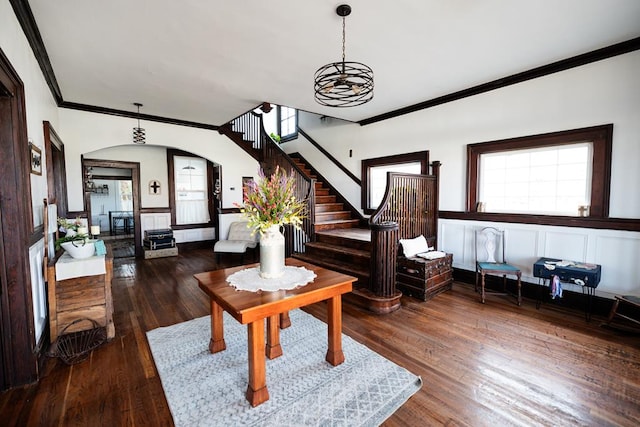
(154, 187)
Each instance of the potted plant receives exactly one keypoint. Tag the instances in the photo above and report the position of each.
(275, 137)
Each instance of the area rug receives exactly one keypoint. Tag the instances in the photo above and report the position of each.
(205, 389)
(122, 248)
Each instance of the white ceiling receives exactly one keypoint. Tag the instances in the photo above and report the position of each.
(211, 61)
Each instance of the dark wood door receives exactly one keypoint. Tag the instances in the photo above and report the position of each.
(19, 362)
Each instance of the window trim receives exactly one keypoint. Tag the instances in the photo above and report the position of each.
(367, 164)
(171, 153)
(600, 136)
(291, 136)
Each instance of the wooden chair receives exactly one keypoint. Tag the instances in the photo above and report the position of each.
(239, 240)
(489, 254)
(632, 303)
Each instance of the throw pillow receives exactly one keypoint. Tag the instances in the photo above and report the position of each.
(412, 247)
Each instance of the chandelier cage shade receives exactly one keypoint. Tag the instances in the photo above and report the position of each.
(138, 132)
(345, 83)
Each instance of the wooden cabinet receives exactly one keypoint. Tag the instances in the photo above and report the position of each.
(424, 279)
(85, 296)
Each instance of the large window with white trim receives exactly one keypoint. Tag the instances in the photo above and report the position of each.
(552, 180)
(191, 200)
(565, 173)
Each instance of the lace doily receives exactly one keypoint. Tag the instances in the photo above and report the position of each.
(249, 279)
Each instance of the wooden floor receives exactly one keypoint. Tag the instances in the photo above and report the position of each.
(482, 365)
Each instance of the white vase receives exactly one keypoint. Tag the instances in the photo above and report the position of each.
(272, 253)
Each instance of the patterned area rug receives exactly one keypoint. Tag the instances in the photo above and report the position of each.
(121, 248)
(208, 389)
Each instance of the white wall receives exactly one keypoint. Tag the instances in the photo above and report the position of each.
(97, 135)
(39, 102)
(153, 167)
(338, 179)
(603, 92)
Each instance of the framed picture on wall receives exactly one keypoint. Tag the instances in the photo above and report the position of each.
(36, 160)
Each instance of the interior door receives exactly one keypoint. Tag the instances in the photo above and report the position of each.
(19, 362)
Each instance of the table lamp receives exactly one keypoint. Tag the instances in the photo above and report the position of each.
(95, 230)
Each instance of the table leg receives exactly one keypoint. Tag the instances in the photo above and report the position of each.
(273, 348)
(217, 329)
(257, 392)
(285, 320)
(335, 356)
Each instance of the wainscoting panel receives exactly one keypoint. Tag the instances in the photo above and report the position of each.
(154, 221)
(452, 237)
(566, 245)
(38, 291)
(618, 252)
(194, 234)
(620, 259)
(521, 245)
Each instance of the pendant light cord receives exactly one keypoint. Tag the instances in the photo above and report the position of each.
(344, 37)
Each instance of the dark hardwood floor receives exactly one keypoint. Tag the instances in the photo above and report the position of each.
(482, 365)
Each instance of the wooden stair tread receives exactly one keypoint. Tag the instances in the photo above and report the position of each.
(343, 250)
(335, 265)
(338, 221)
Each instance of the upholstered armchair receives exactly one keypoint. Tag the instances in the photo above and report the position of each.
(240, 239)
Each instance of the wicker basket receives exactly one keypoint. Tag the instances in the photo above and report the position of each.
(74, 347)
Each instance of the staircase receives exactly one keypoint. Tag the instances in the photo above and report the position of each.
(340, 243)
(244, 138)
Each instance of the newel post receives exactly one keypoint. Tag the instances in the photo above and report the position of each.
(384, 243)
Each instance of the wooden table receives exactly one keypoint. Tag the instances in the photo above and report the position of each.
(251, 308)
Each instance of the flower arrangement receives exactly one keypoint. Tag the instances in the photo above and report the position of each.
(271, 201)
(65, 225)
(74, 232)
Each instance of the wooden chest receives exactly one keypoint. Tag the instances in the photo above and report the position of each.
(422, 278)
(81, 297)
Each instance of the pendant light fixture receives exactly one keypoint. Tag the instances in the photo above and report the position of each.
(343, 84)
(138, 132)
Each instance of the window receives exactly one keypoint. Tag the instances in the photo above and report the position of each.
(191, 189)
(563, 173)
(374, 174)
(125, 192)
(287, 123)
(549, 180)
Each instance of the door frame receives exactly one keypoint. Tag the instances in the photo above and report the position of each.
(18, 355)
(135, 184)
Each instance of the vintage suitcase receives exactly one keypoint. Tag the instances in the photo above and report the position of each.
(422, 278)
(153, 243)
(160, 253)
(158, 234)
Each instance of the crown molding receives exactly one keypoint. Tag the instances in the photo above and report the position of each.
(134, 115)
(25, 17)
(545, 70)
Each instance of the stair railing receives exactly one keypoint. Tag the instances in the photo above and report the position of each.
(270, 155)
(408, 209)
